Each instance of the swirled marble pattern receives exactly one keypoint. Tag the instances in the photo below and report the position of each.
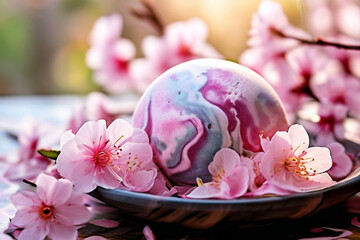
(198, 107)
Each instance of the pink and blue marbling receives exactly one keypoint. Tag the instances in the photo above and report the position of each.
(198, 107)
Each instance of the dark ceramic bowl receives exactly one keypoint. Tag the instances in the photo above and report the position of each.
(197, 213)
(205, 213)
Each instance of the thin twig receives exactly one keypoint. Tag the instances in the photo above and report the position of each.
(150, 15)
(29, 182)
(317, 41)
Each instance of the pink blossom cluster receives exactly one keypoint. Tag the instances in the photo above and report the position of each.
(286, 165)
(113, 61)
(117, 156)
(98, 106)
(26, 162)
(318, 85)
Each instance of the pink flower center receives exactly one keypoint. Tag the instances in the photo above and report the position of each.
(328, 122)
(121, 65)
(184, 51)
(102, 158)
(46, 211)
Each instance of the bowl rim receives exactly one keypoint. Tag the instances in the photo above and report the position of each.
(343, 184)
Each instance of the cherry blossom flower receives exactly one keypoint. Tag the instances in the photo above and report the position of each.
(266, 25)
(98, 106)
(109, 55)
(52, 211)
(342, 163)
(305, 61)
(337, 88)
(26, 162)
(182, 41)
(288, 165)
(267, 41)
(117, 156)
(230, 177)
(325, 121)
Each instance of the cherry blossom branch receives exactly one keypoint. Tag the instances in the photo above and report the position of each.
(149, 15)
(318, 41)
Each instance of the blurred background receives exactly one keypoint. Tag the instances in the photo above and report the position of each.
(43, 42)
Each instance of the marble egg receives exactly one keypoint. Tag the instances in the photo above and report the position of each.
(198, 107)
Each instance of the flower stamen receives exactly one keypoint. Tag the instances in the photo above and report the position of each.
(46, 211)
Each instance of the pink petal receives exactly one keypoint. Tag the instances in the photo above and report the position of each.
(269, 188)
(106, 29)
(288, 181)
(226, 160)
(85, 184)
(342, 164)
(68, 135)
(322, 159)
(68, 155)
(92, 134)
(160, 186)
(140, 181)
(317, 182)
(71, 214)
(26, 218)
(58, 231)
(210, 190)
(108, 178)
(118, 131)
(148, 233)
(153, 50)
(238, 182)
(51, 191)
(124, 49)
(299, 138)
(130, 150)
(106, 223)
(76, 167)
(273, 159)
(37, 231)
(139, 136)
(25, 199)
(265, 142)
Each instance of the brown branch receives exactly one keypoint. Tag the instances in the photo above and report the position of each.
(29, 182)
(149, 15)
(317, 41)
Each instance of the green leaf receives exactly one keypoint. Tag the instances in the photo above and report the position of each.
(52, 154)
